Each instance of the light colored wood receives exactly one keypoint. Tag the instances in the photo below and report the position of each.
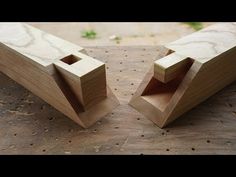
(202, 64)
(57, 71)
(28, 125)
(167, 68)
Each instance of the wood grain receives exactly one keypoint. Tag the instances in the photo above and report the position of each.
(200, 65)
(28, 125)
(57, 71)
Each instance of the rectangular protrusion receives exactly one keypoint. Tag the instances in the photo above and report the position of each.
(170, 66)
(86, 77)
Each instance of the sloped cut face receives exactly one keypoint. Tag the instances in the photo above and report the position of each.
(159, 94)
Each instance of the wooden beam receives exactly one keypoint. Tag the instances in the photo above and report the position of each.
(201, 64)
(57, 71)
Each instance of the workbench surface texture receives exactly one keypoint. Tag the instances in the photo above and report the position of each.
(28, 125)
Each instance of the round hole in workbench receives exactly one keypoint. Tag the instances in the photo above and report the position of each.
(120, 71)
(50, 118)
(15, 134)
(208, 141)
(42, 107)
(117, 144)
(31, 144)
(138, 118)
(69, 141)
(142, 136)
(193, 149)
(44, 150)
(117, 80)
(106, 51)
(132, 83)
(115, 88)
(116, 127)
(121, 62)
(167, 149)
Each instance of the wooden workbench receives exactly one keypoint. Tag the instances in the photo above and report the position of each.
(28, 125)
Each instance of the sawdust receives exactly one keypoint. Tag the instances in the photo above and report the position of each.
(2, 103)
(21, 113)
(28, 101)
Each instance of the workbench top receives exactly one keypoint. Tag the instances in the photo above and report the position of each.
(28, 125)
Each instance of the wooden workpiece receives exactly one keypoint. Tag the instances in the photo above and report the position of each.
(57, 71)
(194, 68)
(28, 125)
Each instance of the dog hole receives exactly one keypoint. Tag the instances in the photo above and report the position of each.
(208, 141)
(193, 149)
(167, 149)
(50, 118)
